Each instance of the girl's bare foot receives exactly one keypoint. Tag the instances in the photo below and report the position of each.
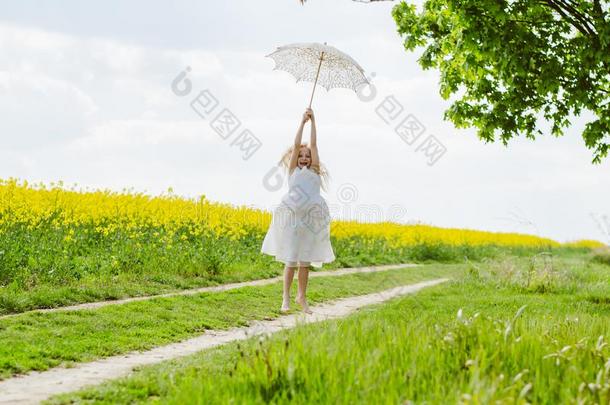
(303, 303)
(285, 305)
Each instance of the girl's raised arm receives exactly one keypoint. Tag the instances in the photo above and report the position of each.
(297, 144)
(315, 159)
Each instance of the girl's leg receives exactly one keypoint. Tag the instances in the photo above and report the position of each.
(303, 278)
(288, 277)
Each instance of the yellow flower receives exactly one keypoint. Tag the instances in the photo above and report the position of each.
(133, 214)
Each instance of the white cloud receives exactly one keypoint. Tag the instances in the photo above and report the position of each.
(136, 133)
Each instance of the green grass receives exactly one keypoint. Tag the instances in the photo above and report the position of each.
(512, 331)
(37, 341)
(101, 287)
(601, 256)
(40, 269)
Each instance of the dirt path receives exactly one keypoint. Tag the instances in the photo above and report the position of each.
(37, 386)
(223, 287)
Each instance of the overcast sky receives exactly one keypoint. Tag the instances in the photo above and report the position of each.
(86, 97)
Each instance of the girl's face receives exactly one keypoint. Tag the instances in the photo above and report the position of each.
(304, 157)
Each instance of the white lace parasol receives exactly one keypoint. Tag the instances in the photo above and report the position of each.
(319, 63)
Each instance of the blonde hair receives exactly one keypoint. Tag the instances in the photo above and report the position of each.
(321, 171)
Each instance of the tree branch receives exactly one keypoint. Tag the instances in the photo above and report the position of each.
(584, 19)
(568, 18)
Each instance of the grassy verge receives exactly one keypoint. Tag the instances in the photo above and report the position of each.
(493, 336)
(40, 271)
(37, 341)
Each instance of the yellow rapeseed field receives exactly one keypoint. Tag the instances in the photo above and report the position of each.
(108, 211)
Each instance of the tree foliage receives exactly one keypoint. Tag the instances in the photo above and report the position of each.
(510, 62)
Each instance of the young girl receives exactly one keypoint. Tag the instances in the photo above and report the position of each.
(299, 233)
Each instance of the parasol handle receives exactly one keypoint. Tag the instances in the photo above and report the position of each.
(317, 73)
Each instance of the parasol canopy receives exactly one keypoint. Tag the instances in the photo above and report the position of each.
(319, 63)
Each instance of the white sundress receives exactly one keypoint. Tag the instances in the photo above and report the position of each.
(300, 227)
